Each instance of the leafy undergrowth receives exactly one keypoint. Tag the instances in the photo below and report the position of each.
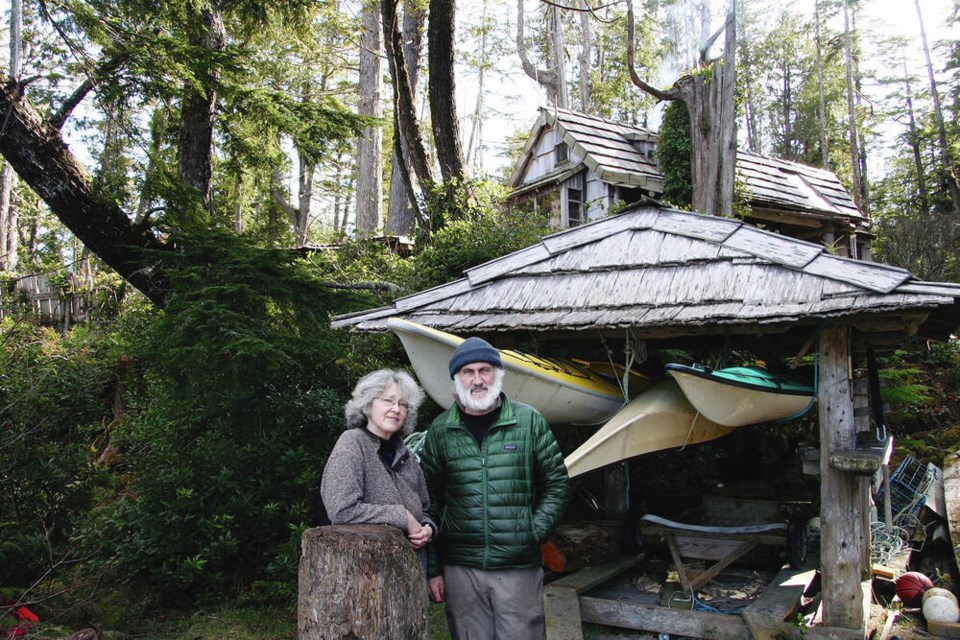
(223, 623)
(229, 622)
(921, 393)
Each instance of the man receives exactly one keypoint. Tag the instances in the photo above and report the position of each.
(498, 487)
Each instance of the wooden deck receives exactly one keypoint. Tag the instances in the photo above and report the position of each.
(770, 616)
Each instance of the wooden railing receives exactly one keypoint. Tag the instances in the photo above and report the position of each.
(35, 292)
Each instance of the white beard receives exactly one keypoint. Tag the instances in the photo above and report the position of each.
(480, 404)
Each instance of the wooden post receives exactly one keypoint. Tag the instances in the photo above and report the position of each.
(360, 581)
(840, 524)
(615, 498)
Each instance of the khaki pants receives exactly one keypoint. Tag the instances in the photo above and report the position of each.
(506, 604)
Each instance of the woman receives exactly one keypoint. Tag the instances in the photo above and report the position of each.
(371, 477)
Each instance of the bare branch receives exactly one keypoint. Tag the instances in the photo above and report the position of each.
(659, 94)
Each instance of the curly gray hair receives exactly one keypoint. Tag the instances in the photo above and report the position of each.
(375, 383)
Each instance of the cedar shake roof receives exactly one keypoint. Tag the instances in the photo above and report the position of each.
(661, 271)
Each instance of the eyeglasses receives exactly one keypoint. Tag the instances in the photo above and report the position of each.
(389, 402)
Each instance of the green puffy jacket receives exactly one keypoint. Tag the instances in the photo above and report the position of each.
(496, 504)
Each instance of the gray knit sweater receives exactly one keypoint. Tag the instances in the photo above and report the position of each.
(358, 487)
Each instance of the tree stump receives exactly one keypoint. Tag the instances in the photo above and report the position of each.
(360, 581)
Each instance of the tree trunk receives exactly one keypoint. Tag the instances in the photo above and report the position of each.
(402, 215)
(727, 132)
(474, 153)
(948, 171)
(360, 581)
(858, 189)
(9, 219)
(559, 61)
(9, 213)
(709, 99)
(305, 206)
(42, 159)
(370, 143)
(821, 99)
(712, 134)
(914, 137)
(443, 106)
(238, 205)
(546, 78)
(194, 159)
(405, 113)
(586, 56)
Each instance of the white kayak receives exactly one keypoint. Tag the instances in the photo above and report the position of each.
(741, 396)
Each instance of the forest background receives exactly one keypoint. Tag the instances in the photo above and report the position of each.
(213, 181)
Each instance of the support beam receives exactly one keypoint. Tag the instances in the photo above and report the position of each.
(840, 497)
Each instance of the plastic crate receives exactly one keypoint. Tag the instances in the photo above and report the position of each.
(909, 485)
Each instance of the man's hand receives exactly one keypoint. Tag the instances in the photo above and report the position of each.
(436, 588)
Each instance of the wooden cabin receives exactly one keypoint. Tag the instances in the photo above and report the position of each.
(654, 278)
(581, 167)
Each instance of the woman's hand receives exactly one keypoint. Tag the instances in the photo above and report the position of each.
(421, 537)
(418, 534)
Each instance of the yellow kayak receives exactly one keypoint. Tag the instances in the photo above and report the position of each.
(562, 390)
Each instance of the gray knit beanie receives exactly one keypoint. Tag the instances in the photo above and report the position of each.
(474, 350)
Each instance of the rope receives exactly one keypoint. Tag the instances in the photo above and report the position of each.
(694, 603)
(700, 605)
(884, 546)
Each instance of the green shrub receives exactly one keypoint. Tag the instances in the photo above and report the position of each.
(235, 404)
(55, 398)
(673, 154)
(481, 234)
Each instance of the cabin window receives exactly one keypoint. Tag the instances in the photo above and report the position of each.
(561, 153)
(574, 207)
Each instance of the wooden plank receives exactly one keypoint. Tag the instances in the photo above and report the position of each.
(681, 622)
(561, 604)
(944, 629)
(773, 247)
(678, 562)
(592, 576)
(720, 565)
(863, 462)
(561, 608)
(951, 496)
(704, 540)
(828, 633)
(730, 510)
(780, 602)
(869, 275)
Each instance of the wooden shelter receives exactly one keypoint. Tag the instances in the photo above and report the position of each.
(658, 274)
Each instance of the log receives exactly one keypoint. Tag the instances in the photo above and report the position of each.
(360, 581)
